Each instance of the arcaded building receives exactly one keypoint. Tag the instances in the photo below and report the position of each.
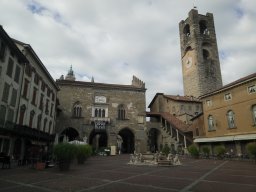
(102, 114)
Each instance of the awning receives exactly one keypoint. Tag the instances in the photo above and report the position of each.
(214, 139)
(226, 138)
(245, 137)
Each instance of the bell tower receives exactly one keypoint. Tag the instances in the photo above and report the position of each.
(199, 54)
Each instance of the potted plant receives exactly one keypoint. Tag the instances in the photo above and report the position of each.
(206, 151)
(219, 151)
(194, 152)
(251, 149)
(83, 152)
(65, 153)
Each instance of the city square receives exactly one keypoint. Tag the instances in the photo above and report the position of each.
(112, 173)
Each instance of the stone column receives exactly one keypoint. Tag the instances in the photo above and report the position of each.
(185, 142)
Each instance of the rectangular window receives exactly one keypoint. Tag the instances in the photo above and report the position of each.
(25, 89)
(2, 50)
(14, 97)
(227, 96)
(2, 114)
(43, 86)
(6, 92)
(51, 109)
(209, 103)
(48, 92)
(252, 89)
(17, 74)
(34, 96)
(10, 67)
(53, 96)
(10, 115)
(41, 102)
(28, 70)
(47, 107)
(36, 79)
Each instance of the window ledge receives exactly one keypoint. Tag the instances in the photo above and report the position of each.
(232, 127)
(211, 130)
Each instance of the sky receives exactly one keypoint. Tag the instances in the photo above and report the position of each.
(112, 40)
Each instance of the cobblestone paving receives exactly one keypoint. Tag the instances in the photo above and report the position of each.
(113, 174)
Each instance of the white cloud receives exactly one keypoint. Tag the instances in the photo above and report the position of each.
(115, 39)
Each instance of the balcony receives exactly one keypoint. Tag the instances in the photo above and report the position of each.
(97, 119)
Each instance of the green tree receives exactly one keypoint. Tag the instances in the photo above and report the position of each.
(193, 150)
(251, 149)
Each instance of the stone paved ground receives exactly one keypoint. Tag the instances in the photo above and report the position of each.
(113, 174)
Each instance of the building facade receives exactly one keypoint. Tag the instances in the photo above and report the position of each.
(37, 105)
(28, 102)
(170, 117)
(199, 54)
(230, 115)
(12, 63)
(102, 114)
(182, 107)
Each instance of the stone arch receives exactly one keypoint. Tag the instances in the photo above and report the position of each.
(128, 140)
(69, 134)
(154, 135)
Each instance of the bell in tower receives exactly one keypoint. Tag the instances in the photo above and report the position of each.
(199, 54)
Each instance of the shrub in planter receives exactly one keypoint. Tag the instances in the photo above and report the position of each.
(220, 151)
(83, 152)
(206, 151)
(65, 153)
(166, 150)
(251, 149)
(194, 152)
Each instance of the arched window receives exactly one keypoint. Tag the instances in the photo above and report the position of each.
(231, 119)
(203, 27)
(210, 123)
(77, 110)
(121, 112)
(186, 30)
(206, 54)
(254, 114)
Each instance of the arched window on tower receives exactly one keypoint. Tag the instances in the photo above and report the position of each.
(203, 27)
(77, 110)
(231, 119)
(186, 30)
(206, 54)
(121, 112)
